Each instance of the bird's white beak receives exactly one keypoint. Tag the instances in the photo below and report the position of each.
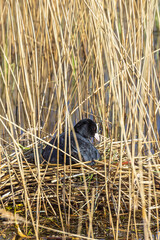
(97, 136)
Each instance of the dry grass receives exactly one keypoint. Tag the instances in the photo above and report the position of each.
(61, 61)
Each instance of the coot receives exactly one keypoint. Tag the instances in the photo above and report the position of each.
(84, 130)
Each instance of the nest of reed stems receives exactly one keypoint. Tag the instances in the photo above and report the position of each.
(84, 191)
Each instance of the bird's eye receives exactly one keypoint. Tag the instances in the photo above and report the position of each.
(94, 128)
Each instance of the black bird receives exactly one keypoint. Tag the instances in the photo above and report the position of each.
(84, 130)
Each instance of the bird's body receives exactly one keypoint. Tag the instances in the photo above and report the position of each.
(84, 129)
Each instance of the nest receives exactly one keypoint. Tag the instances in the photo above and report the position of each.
(109, 188)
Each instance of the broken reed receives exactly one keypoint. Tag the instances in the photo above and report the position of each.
(66, 60)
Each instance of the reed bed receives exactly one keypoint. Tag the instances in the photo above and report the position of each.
(61, 61)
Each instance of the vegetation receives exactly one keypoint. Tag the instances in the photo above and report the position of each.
(61, 61)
